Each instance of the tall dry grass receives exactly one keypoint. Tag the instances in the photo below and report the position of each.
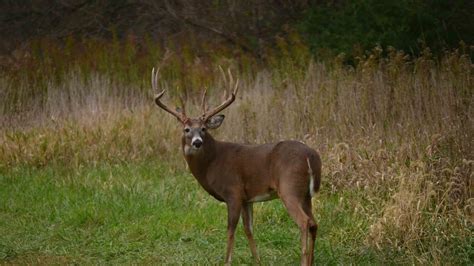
(399, 128)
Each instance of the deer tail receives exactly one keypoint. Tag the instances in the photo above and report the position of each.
(312, 189)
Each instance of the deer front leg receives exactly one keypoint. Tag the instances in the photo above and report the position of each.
(247, 219)
(233, 214)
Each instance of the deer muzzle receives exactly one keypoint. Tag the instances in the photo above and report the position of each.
(196, 142)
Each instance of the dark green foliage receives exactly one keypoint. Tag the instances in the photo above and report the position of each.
(355, 26)
(250, 27)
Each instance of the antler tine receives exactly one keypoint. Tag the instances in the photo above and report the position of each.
(183, 105)
(223, 74)
(154, 83)
(236, 87)
(203, 101)
(153, 79)
(231, 78)
(219, 108)
(227, 102)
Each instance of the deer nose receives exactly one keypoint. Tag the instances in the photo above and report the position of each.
(197, 143)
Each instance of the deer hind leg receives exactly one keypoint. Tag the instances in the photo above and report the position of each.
(313, 228)
(233, 214)
(247, 219)
(294, 205)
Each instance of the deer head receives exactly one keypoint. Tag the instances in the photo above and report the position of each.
(195, 130)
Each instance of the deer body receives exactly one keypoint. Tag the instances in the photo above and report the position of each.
(240, 175)
(253, 173)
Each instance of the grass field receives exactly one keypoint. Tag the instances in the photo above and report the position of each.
(91, 172)
(144, 213)
(148, 213)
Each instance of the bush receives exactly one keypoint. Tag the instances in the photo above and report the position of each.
(355, 26)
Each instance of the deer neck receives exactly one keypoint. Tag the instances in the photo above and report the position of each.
(200, 160)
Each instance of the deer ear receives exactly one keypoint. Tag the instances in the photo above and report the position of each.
(215, 121)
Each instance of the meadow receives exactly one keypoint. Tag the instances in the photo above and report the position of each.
(91, 170)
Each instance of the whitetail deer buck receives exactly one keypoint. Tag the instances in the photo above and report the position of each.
(240, 175)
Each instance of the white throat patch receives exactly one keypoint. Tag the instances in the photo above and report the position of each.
(189, 150)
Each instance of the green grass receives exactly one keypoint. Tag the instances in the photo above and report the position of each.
(144, 212)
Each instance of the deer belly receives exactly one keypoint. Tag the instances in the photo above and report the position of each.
(264, 197)
(213, 194)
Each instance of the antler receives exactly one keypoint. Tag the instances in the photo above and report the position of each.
(203, 102)
(154, 83)
(226, 103)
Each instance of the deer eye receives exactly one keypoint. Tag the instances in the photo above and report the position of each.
(187, 130)
(203, 129)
